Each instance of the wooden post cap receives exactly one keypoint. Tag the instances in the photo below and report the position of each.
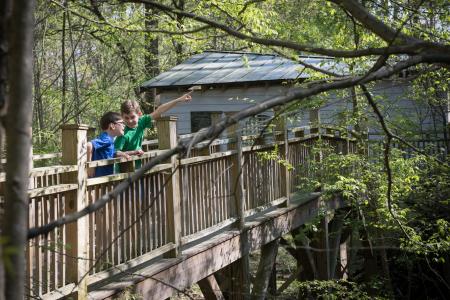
(167, 118)
(74, 127)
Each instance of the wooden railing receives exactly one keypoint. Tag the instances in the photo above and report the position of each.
(174, 203)
(434, 147)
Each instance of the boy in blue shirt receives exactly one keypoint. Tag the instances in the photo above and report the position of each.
(102, 147)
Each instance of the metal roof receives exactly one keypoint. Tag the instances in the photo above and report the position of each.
(212, 67)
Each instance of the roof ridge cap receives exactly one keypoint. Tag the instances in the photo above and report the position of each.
(238, 52)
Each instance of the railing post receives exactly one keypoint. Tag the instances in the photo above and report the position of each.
(314, 120)
(32, 182)
(240, 268)
(167, 139)
(231, 132)
(74, 142)
(237, 184)
(280, 125)
(281, 135)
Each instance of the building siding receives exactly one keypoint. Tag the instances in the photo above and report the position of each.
(391, 97)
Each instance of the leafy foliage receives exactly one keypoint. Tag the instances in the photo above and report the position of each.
(420, 198)
(331, 290)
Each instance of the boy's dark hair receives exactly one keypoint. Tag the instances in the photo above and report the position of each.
(130, 106)
(108, 118)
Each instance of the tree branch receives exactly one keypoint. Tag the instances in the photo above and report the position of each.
(215, 130)
(105, 22)
(370, 22)
(412, 48)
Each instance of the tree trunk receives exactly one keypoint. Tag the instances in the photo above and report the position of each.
(151, 58)
(18, 133)
(5, 12)
(151, 44)
(180, 4)
(74, 65)
(64, 69)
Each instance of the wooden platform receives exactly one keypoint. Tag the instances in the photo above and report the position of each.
(160, 278)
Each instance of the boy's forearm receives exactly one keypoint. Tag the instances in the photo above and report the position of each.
(121, 154)
(90, 170)
(128, 153)
(89, 151)
(164, 107)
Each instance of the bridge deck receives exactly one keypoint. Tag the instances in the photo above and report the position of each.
(159, 278)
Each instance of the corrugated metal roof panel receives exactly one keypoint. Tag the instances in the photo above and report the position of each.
(234, 67)
(189, 62)
(248, 65)
(291, 71)
(172, 78)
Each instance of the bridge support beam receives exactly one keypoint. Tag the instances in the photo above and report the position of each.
(233, 280)
(306, 265)
(210, 288)
(264, 273)
(335, 233)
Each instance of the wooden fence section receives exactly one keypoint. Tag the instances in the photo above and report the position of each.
(206, 192)
(174, 203)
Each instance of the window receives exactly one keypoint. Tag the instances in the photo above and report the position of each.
(202, 119)
(255, 124)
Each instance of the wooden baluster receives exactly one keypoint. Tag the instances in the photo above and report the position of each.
(74, 140)
(167, 139)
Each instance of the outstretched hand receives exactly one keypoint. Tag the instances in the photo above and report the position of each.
(186, 97)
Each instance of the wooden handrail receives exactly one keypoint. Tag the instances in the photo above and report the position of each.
(199, 198)
(106, 162)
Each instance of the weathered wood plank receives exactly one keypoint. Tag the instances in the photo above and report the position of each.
(118, 177)
(45, 191)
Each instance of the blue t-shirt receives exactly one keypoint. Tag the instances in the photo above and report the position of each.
(103, 148)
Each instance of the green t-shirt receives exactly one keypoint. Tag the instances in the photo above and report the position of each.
(132, 138)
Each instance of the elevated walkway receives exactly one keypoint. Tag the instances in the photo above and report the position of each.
(181, 222)
(160, 278)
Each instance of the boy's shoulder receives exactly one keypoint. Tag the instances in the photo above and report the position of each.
(145, 121)
(102, 139)
(145, 117)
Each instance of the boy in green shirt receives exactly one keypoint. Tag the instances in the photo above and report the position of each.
(136, 123)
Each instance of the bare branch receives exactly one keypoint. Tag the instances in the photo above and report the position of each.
(412, 48)
(105, 22)
(372, 23)
(247, 4)
(306, 65)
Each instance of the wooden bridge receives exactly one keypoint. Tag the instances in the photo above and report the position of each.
(189, 220)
